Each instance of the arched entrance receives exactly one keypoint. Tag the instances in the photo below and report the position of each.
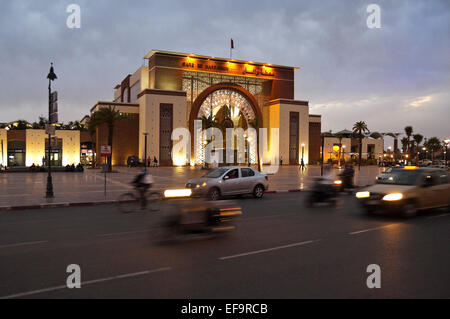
(227, 104)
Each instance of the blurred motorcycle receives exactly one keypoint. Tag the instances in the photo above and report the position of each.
(324, 191)
(197, 216)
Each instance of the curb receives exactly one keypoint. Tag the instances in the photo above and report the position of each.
(42, 206)
(111, 201)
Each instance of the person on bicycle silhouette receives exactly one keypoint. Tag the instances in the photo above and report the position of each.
(143, 182)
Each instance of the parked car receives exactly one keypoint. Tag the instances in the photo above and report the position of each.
(233, 180)
(133, 161)
(407, 191)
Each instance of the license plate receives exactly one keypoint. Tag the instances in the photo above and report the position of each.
(372, 202)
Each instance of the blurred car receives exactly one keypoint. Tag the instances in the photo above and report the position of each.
(443, 167)
(133, 161)
(226, 181)
(407, 191)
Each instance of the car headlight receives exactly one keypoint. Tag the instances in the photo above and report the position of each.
(393, 197)
(204, 184)
(337, 182)
(174, 193)
(362, 194)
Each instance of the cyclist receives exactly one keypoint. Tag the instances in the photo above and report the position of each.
(142, 183)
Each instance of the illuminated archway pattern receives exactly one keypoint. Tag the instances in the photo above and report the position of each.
(237, 103)
(227, 97)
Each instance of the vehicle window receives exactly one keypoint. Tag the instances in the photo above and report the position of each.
(247, 172)
(216, 173)
(399, 177)
(443, 176)
(431, 179)
(233, 174)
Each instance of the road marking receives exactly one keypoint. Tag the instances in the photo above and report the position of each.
(24, 244)
(84, 283)
(124, 233)
(437, 216)
(269, 249)
(371, 229)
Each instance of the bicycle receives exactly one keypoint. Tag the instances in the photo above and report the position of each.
(133, 202)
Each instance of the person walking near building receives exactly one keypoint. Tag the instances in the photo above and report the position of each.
(302, 165)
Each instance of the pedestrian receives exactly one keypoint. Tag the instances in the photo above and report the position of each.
(302, 165)
(149, 161)
(281, 160)
(155, 161)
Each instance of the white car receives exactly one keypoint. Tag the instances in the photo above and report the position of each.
(232, 180)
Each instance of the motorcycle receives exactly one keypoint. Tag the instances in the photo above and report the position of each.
(198, 217)
(346, 182)
(322, 192)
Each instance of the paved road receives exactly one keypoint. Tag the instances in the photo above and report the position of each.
(280, 250)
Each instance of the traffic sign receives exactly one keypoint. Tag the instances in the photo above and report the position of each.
(49, 129)
(105, 150)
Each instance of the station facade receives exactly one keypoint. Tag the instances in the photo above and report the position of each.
(172, 90)
(23, 148)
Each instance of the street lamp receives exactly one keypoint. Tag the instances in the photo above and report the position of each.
(51, 77)
(446, 141)
(145, 152)
(343, 154)
(303, 152)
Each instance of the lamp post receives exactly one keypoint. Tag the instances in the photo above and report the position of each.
(446, 141)
(145, 151)
(343, 154)
(425, 150)
(303, 153)
(321, 162)
(51, 77)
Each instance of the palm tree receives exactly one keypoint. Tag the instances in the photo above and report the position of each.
(434, 145)
(42, 122)
(340, 136)
(109, 116)
(78, 126)
(405, 144)
(408, 132)
(418, 138)
(359, 128)
(255, 124)
(21, 125)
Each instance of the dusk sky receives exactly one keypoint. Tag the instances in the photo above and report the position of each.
(390, 77)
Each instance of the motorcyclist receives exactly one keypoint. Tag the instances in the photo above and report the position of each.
(142, 183)
(347, 177)
(323, 188)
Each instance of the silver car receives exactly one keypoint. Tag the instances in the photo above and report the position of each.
(232, 180)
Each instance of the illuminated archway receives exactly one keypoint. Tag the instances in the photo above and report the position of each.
(212, 100)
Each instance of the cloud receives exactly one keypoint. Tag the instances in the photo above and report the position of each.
(419, 101)
(347, 71)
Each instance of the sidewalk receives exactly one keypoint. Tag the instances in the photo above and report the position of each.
(23, 189)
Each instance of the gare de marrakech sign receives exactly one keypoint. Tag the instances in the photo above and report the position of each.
(227, 67)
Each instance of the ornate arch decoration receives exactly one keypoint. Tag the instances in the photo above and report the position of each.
(221, 86)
